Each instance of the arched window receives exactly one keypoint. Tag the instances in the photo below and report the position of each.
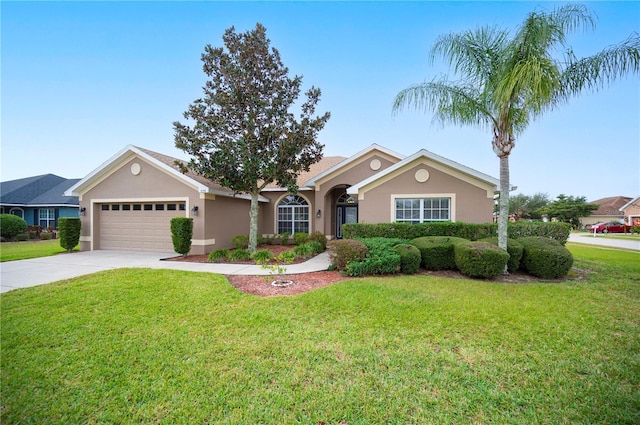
(345, 198)
(17, 211)
(293, 215)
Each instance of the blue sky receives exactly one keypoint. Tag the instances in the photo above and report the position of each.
(81, 80)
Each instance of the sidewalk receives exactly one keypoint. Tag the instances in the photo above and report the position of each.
(39, 271)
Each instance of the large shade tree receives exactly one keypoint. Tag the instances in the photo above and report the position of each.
(242, 133)
(506, 79)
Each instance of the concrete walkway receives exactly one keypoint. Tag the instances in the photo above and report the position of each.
(39, 271)
(601, 240)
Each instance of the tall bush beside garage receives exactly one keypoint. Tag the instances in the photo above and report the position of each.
(69, 232)
(181, 234)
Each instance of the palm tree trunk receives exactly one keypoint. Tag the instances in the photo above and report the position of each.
(503, 218)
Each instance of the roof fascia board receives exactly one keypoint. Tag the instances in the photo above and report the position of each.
(113, 164)
(428, 158)
(333, 170)
(628, 204)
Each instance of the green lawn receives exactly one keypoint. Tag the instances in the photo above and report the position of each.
(11, 251)
(158, 346)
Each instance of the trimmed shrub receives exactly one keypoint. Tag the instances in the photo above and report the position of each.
(69, 232)
(241, 254)
(471, 231)
(217, 255)
(307, 250)
(345, 251)
(409, 258)
(284, 238)
(319, 237)
(545, 258)
(262, 256)
(181, 234)
(21, 237)
(11, 225)
(240, 241)
(480, 259)
(46, 236)
(514, 248)
(437, 252)
(381, 258)
(300, 238)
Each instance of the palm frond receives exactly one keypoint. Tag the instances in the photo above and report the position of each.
(600, 70)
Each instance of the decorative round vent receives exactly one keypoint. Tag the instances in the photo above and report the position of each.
(375, 164)
(135, 169)
(422, 175)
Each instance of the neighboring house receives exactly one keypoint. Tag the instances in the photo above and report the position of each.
(609, 210)
(130, 199)
(39, 200)
(631, 212)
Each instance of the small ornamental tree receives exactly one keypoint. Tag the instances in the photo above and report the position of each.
(242, 134)
(69, 232)
(11, 225)
(181, 234)
(569, 209)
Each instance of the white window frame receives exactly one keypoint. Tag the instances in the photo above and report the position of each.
(13, 211)
(296, 211)
(421, 197)
(48, 217)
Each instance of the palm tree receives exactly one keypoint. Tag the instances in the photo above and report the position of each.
(506, 80)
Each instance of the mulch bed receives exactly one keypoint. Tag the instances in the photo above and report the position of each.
(261, 285)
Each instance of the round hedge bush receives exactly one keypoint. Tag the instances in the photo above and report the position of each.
(409, 258)
(480, 259)
(11, 225)
(342, 252)
(514, 248)
(437, 252)
(545, 258)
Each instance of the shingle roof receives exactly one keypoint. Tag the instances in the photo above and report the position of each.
(46, 189)
(323, 165)
(610, 205)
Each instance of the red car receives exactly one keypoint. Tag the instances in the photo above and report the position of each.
(610, 227)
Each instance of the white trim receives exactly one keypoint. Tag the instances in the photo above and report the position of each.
(41, 205)
(628, 204)
(115, 162)
(277, 204)
(423, 153)
(21, 211)
(86, 239)
(451, 196)
(203, 242)
(374, 147)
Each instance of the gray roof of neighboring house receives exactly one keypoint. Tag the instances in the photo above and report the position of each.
(46, 189)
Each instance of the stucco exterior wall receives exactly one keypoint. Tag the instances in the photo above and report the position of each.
(350, 175)
(470, 203)
(632, 214)
(223, 219)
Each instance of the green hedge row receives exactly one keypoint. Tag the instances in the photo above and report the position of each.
(471, 231)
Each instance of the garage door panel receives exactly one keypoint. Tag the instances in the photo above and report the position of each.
(138, 230)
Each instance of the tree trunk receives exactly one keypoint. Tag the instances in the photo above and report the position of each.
(503, 218)
(253, 227)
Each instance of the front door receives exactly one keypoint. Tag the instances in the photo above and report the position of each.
(345, 214)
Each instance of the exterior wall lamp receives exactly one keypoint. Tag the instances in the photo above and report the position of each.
(318, 214)
(194, 210)
(83, 211)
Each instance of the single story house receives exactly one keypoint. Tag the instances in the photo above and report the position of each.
(127, 202)
(608, 210)
(631, 212)
(39, 200)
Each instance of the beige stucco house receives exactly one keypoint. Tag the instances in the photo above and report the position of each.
(631, 212)
(609, 209)
(127, 202)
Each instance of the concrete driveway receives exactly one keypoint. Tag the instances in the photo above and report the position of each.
(588, 238)
(38, 271)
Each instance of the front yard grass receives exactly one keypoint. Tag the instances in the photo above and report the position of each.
(11, 251)
(160, 346)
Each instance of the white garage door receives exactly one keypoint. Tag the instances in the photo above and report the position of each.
(138, 226)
